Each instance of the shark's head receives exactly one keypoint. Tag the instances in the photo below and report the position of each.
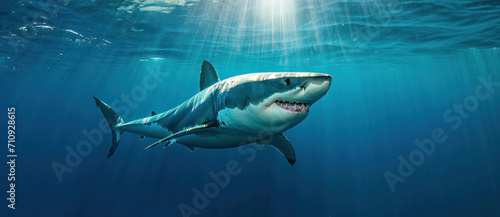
(272, 101)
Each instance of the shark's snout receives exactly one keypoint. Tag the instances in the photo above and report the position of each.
(316, 87)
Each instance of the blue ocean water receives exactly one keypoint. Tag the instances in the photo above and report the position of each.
(410, 126)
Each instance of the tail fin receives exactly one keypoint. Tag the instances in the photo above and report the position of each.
(113, 120)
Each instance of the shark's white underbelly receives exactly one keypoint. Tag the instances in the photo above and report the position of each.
(218, 140)
(148, 130)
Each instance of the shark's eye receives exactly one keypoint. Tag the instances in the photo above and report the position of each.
(287, 81)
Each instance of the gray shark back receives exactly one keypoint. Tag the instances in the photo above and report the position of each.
(201, 109)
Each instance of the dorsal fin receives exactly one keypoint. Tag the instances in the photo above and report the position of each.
(208, 75)
(153, 113)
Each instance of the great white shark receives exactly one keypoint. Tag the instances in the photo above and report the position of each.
(245, 109)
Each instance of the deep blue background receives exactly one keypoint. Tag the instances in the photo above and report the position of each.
(396, 67)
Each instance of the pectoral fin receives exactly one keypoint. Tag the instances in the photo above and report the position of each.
(182, 133)
(281, 143)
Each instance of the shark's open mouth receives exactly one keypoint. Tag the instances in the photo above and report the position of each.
(295, 107)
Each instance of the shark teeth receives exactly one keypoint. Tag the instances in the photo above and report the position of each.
(295, 107)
